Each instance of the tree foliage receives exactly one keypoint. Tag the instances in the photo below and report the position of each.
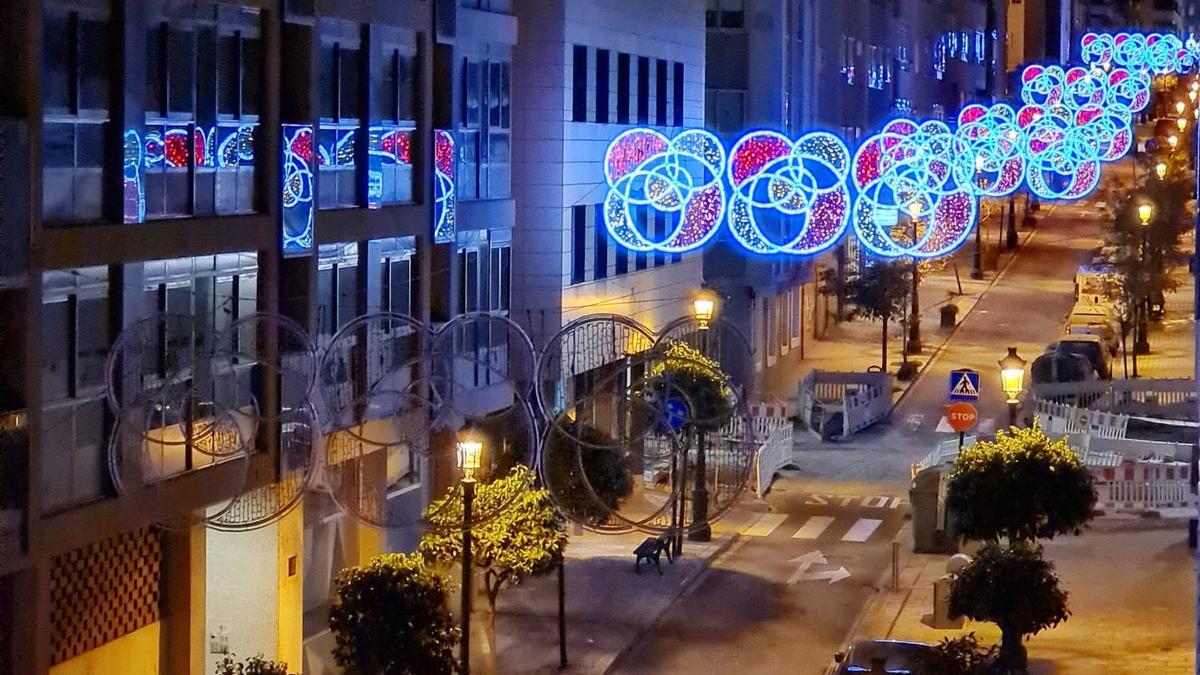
(522, 535)
(685, 371)
(586, 470)
(879, 292)
(255, 665)
(1021, 486)
(1015, 589)
(962, 655)
(390, 618)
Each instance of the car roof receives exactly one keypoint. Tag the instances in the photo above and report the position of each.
(1079, 337)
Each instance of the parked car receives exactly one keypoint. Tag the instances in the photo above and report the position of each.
(880, 656)
(1098, 320)
(1090, 347)
(1055, 366)
(1093, 283)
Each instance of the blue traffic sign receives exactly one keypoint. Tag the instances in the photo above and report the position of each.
(964, 385)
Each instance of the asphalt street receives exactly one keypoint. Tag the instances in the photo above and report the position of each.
(784, 596)
(1025, 308)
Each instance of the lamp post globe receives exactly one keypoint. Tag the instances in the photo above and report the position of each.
(1173, 141)
(704, 307)
(1012, 381)
(1179, 105)
(1161, 170)
(1181, 122)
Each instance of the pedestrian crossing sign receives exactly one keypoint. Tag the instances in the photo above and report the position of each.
(964, 385)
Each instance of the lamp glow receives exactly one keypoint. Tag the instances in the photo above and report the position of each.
(704, 306)
(1145, 212)
(469, 454)
(1181, 123)
(1179, 106)
(1012, 375)
(1161, 170)
(1173, 141)
(1192, 95)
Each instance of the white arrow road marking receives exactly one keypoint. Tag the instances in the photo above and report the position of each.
(833, 576)
(809, 559)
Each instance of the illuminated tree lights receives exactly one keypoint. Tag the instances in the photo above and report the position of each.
(297, 188)
(443, 186)
(912, 189)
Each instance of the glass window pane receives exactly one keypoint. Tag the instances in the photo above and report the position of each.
(94, 64)
(56, 50)
(91, 342)
(400, 288)
(58, 440)
(327, 74)
(156, 76)
(325, 306)
(251, 75)
(347, 290)
(406, 79)
(228, 84)
(224, 304)
(471, 101)
(56, 348)
(350, 69)
(87, 466)
(181, 71)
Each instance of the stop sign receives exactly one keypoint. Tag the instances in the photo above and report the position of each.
(961, 416)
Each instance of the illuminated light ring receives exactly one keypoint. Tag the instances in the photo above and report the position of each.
(804, 180)
(1128, 91)
(1084, 87)
(1043, 85)
(1097, 48)
(1060, 163)
(1108, 134)
(298, 188)
(153, 149)
(444, 204)
(175, 148)
(906, 165)
(236, 148)
(680, 176)
(991, 138)
(131, 169)
(1162, 53)
(1129, 50)
(343, 153)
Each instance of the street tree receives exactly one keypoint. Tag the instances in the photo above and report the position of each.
(522, 536)
(962, 655)
(879, 292)
(255, 665)
(1021, 486)
(389, 617)
(586, 470)
(1014, 588)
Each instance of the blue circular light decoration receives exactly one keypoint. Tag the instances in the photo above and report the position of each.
(804, 181)
(991, 136)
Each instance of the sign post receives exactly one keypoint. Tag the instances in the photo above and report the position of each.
(962, 417)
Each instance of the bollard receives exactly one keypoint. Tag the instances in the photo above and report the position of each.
(895, 565)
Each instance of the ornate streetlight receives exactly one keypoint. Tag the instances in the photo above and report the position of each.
(1012, 381)
(914, 208)
(1179, 106)
(1161, 170)
(1145, 213)
(469, 453)
(1181, 122)
(704, 307)
(1173, 141)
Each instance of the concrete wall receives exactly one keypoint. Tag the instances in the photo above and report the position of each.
(136, 652)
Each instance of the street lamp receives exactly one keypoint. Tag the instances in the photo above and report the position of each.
(913, 346)
(1012, 381)
(1173, 141)
(1192, 95)
(1146, 211)
(1161, 170)
(1181, 122)
(704, 307)
(1141, 345)
(469, 451)
(1179, 105)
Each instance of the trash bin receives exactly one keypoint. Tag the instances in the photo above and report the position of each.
(930, 525)
(949, 315)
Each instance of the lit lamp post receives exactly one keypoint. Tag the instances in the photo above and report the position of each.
(469, 452)
(1179, 106)
(1012, 380)
(915, 207)
(1160, 170)
(1181, 122)
(1141, 345)
(977, 259)
(704, 307)
(1173, 141)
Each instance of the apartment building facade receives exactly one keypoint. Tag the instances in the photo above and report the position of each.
(221, 159)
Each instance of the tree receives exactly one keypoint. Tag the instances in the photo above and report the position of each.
(255, 665)
(1015, 589)
(585, 469)
(879, 292)
(962, 655)
(1021, 486)
(390, 618)
(685, 371)
(521, 535)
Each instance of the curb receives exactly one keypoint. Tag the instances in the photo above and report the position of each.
(688, 582)
(880, 585)
(950, 336)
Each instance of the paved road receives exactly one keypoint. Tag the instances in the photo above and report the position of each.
(763, 606)
(1024, 309)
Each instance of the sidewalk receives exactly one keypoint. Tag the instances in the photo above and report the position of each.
(1131, 594)
(1172, 340)
(608, 607)
(854, 345)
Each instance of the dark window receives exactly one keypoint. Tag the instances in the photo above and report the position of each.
(677, 102)
(501, 278)
(327, 77)
(643, 90)
(602, 86)
(398, 277)
(622, 260)
(660, 233)
(95, 54)
(340, 66)
(229, 57)
(578, 243)
(58, 55)
(325, 306)
(468, 260)
(181, 71)
(579, 80)
(622, 88)
(660, 92)
(639, 260)
(600, 258)
(485, 168)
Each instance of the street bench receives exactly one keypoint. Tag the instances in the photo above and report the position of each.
(651, 550)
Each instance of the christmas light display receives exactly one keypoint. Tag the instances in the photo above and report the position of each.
(387, 147)
(443, 186)
(297, 188)
(991, 136)
(682, 177)
(134, 188)
(805, 181)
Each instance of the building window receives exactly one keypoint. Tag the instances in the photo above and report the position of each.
(500, 276)
(395, 93)
(643, 90)
(76, 334)
(77, 76)
(470, 280)
(578, 243)
(622, 260)
(599, 244)
(602, 86)
(729, 14)
(677, 101)
(660, 92)
(340, 69)
(485, 170)
(622, 88)
(397, 282)
(337, 288)
(579, 67)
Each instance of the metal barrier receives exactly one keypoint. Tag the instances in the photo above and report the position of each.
(774, 454)
(862, 399)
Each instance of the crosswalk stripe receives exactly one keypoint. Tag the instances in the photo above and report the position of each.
(813, 527)
(765, 525)
(862, 529)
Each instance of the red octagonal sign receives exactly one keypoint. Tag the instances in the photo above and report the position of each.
(961, 416)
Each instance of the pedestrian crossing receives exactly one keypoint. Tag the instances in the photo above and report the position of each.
(844, 528)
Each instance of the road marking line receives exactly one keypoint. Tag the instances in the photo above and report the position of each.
(813, 527)
(862, 529)
(764, 525)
